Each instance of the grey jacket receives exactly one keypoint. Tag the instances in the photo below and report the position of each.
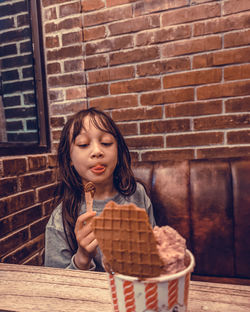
(57, 251)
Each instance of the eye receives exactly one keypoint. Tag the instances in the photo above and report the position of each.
(107, 143)
(82, 145)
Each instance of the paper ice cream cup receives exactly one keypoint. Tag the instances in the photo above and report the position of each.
(168, 293)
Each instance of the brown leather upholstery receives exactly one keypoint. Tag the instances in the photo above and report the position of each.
(208, 202)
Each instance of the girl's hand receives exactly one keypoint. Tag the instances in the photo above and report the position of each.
(86, 240)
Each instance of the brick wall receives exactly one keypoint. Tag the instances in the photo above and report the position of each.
(18, 102)
(173, 74)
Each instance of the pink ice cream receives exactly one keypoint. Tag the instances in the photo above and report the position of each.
(171, 247)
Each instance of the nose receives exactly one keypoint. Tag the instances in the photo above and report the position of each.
(96, 151)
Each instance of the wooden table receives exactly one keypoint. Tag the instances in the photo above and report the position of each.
(31, 288)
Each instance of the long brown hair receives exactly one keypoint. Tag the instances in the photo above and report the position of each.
(70, 190)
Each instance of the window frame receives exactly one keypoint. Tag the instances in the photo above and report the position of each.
(40, 88)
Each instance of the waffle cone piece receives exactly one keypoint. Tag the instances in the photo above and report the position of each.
(127, 241)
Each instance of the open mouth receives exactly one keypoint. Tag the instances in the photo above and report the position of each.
(98, 169)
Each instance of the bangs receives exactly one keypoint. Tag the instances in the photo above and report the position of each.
(100, 121)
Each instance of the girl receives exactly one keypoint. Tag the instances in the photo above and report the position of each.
(92, 149)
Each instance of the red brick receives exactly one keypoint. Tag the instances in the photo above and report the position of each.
(238, 88)
(237, 105)
(11, 204)
(192, 78)
(222, 58)
(145, 142)
(221, 24)
(108, 45)
(215, 152)
(169, 96)
(52, 2)
(56, 134)
(140, 113)
(49, 14)
(94, 33)
(37, 162)
(229, 7)
(109, 15)
(76, 93)
(138, 24)
(72, 38)
(53, 68)
(193, 109)
(191, 14)
(110, 74)
(67, 108)
(91, 5)
(111, 3)
(237, 72)
(236, 39)
(238, 137)
(115, 102)
(52, 42)
(174, 154)
(165, 126)
(163, 35)
(98, 61)
(13, 167)
(137, 55)
(13, 241)
(132, 129)
(56, 122)
(69, 23)
(72, 51)
(163, 66)
(69, 9)
(191, 46)
(136, 85)
(56, 95)
(97, 90)
(66, 80)
(35, 180)
(195, 139)
(222, 122)
(74, 65)
(145, 7)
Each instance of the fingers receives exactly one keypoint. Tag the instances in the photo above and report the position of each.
(84, 219)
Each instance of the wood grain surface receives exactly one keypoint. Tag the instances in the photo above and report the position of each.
(31, 288)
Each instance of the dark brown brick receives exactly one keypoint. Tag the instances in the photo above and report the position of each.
(17, 202)
(195, 139)
(67, 80)
(194, 109)
(46, 192)
(14, 166)
(165, 126)
(163, 66)
(136, 85)
(238, 137)
(131, 129)
(114, 102)
(218, 152)
(175, 154)
(66, 52)
(37, 162)
(36, 179)
(98, 61)
(237, 105)
(222, 122)
(13, 241)
(8, 186)
(145, 142)
(97, 90)
(137, 114)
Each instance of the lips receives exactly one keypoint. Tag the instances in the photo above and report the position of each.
(98, 169)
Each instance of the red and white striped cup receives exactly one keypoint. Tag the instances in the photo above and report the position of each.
(168, 293)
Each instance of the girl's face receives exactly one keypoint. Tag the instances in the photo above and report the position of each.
(94, 154)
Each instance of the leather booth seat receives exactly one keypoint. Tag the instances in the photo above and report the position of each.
(208, 202)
